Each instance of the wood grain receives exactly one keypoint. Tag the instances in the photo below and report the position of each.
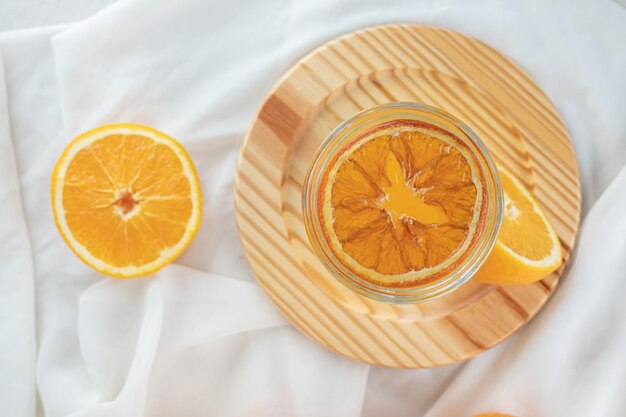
(441, 68)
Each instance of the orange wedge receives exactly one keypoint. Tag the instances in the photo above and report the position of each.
(126, 199)
(527, 249)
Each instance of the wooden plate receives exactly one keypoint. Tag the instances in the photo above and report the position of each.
(444, 69)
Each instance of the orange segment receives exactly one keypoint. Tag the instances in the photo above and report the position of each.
(527, 249)
(401, 204)
(126, 199)
(521, 214)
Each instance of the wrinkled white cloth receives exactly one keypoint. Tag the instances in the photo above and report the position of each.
(200, 338)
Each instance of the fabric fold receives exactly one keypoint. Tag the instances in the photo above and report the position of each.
(130, 402)
(18, 394)
(147, 343)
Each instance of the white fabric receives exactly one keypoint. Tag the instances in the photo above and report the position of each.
(201, 338)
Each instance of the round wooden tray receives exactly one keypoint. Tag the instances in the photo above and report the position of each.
(438, 67)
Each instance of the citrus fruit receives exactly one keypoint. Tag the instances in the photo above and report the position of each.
(401, 204)
(493, 415)
(527, 249)
(126, 199)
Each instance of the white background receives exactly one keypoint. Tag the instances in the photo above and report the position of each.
(23, 14)
(200, 338)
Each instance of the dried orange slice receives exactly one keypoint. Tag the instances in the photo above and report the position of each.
(401, 205)
(126, 199)
(527, 249)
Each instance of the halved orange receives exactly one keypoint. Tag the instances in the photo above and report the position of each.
(493, 415)
(527, 249)
(126, 199)
(402, 204)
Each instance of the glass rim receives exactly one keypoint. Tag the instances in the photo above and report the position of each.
(339, 138)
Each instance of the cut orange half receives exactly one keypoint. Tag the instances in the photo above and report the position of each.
(493, 415)
(527, 249)
(126, 199)
(402, 204)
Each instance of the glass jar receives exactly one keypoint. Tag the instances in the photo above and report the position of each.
(353, 128)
